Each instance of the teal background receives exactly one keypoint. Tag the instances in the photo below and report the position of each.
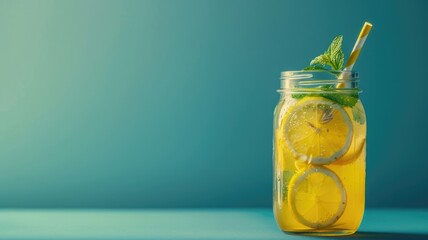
(169, 103)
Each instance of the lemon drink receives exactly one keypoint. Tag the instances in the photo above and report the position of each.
(319, 167)
(320, 148)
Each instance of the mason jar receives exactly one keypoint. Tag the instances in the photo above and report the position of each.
(319, 153)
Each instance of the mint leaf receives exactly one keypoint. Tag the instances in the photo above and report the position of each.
(347, 100)
(321, 60)
(286, 177)
(298, 95)
(333, 57)
(344, 99)
(358, 114)
(337, 60)
(315, 67)
(335, 46)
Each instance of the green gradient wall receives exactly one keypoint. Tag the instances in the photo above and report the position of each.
(169, 103)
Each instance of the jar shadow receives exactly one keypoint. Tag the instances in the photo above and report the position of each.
(385, 235)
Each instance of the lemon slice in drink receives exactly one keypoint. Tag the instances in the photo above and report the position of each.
(317, 130)
(355, 150)
(317, 197)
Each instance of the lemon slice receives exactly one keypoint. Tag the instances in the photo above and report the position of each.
(355, 150)
(318, 130)
(317, 197)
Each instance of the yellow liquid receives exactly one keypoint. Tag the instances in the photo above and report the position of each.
(349, 168)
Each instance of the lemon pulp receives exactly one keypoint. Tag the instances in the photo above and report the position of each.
(317, 197)
(318, 131)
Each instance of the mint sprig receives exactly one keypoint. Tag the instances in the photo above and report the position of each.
(330, 60)
(346, 100)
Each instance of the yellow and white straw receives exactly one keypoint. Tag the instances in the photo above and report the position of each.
(358, 45)
(357, 48)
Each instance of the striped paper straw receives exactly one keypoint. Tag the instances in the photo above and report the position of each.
(357, 49)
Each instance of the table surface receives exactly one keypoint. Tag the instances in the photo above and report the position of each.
(179, 224)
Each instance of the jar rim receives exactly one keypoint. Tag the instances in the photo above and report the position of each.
(319, 74)
(319, 80)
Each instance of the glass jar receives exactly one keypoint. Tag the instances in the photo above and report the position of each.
(319, 153)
